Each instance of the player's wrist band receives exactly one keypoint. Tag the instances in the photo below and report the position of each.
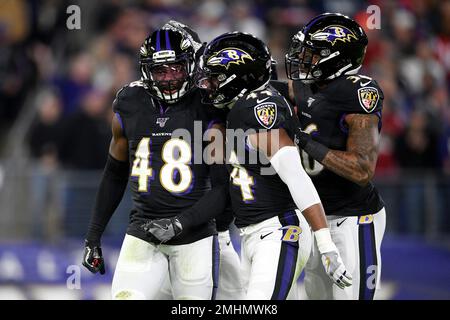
(316, 150)
(324, 241)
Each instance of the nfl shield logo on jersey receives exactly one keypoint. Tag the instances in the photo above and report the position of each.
(266, 113)
(368, 98)
(161, 121)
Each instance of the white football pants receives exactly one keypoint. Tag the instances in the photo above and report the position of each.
(230, 286)
(358, 240)
(273, 255)
(142, 268)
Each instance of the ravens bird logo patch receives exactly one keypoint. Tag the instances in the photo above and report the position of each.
(368, 98)
(266, 114)
(227, 57)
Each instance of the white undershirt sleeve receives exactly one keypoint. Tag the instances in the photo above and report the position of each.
(288, 166)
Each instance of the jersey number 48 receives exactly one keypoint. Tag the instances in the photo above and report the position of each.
(142, 170)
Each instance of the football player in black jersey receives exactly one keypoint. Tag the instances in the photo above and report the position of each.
(340, 115)
(164, 176)
(234, 72)
(229, 281)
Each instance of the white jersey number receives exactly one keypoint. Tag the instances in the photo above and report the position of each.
(241, 178)
(312, 167)
(141, 168)
(176, 155)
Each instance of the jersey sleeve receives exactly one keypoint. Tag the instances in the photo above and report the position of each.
(264, 111)
(281, 86)
(129, 98)
(358, 94)
(127, 102)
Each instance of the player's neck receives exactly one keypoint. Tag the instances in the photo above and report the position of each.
(320, 85)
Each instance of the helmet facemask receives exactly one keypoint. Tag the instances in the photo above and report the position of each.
(302, 62)
(168, 80)
(218, 88)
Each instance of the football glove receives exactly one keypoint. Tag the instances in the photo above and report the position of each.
(315, 149)
(93, 258)
(335, 269)
(163, 229)
(331, 259)
(301, 138)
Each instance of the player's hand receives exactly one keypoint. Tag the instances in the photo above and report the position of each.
(93, 258)
(163, 229)
(301, 138)
(336, 269)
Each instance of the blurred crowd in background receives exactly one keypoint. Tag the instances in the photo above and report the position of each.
(56, 90)
(78, 72)
(68, 79)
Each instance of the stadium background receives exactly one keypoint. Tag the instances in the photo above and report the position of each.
(57, 86)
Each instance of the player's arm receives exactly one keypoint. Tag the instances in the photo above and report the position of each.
(212, 204)
(358, 162)
(285, 159)
(110, 192)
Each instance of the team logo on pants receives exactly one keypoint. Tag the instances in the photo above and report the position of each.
(365, 219)
(291, 233)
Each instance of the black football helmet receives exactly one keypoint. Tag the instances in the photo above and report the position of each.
(328, 46)
(231, 65)
(167, 63)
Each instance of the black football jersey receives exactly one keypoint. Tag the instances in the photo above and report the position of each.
(257, 192)
(322, 114)
(167, 174)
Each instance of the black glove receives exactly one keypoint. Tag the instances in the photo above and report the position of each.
(163, 229)
(93, 258)
(315, 149)
(301, 138)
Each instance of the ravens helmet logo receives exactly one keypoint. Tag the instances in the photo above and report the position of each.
(228, 56)
(333, 34)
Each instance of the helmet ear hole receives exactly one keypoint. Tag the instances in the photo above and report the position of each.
(324, 52)
(317, 73)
